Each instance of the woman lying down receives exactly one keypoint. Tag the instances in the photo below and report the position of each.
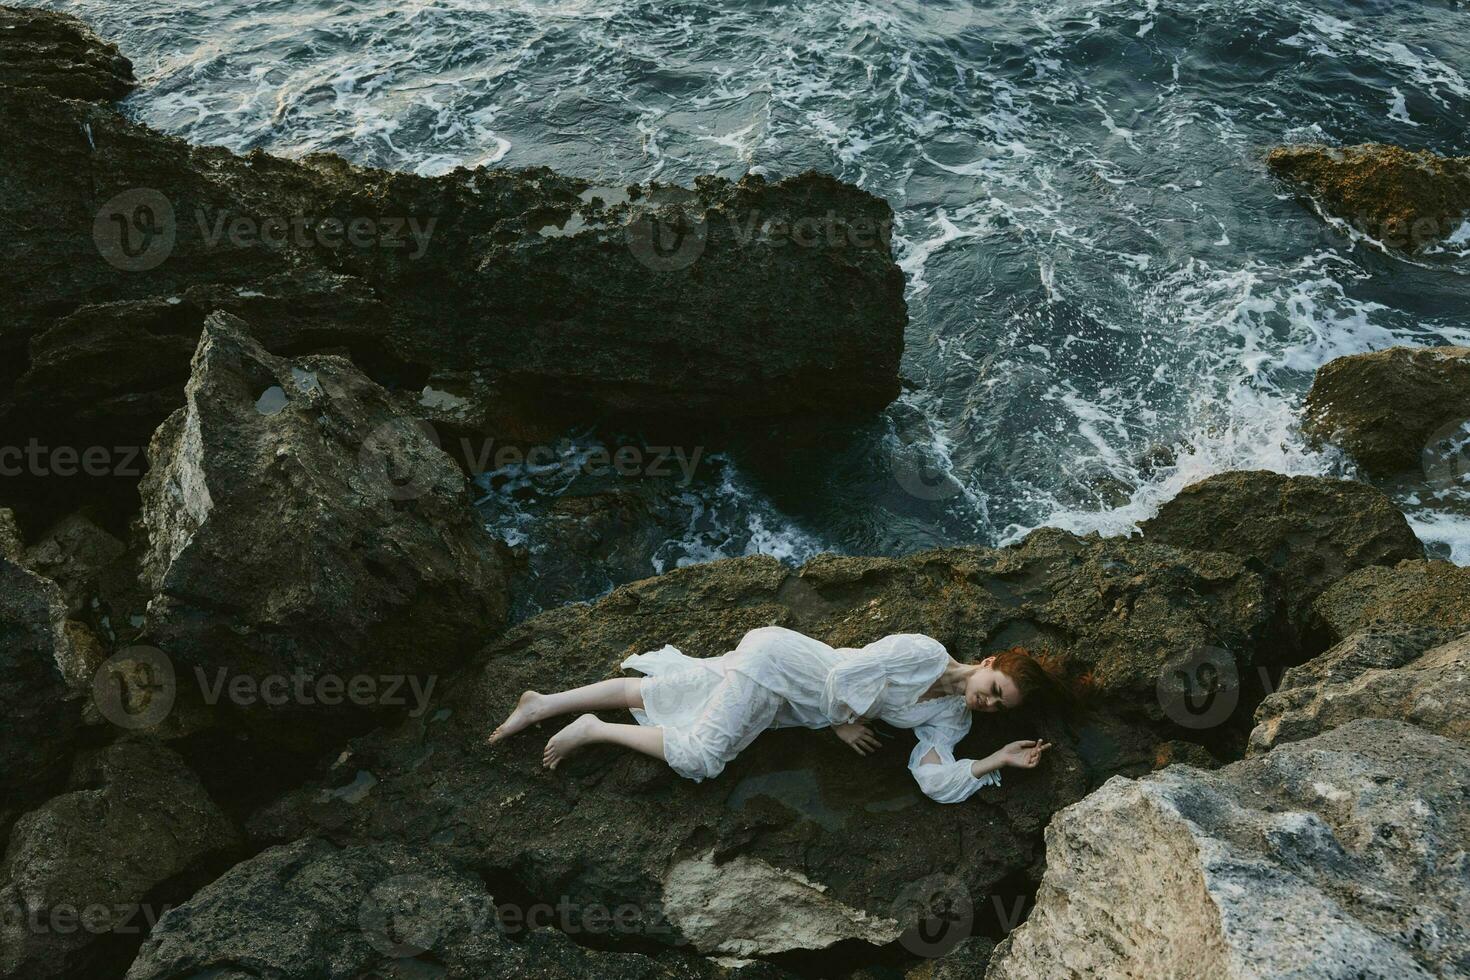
(698, 714)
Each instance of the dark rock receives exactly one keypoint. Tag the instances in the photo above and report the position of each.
(311, 908)
(1391, 409)
(1403, 198)
(60, 54)
(549, 287)
(87, 872)
(1308, 531)
(75, 554)
(12, 543)
(41, 715)
(967, 961)
(1339, 856)
(299, 525)
(1408, 674)
(1433, 594)
(612, 828)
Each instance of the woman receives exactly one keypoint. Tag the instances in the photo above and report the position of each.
(697, 714)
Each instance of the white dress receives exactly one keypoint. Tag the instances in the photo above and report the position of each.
(711, 708)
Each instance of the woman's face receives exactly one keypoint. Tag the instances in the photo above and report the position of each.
(990, 690)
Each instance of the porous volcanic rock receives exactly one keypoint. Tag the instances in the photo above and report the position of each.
(60, 54)
(1307, 530)
(311, 908)
(299, 525)
(134, 833)
(1404, 198)
(1392, 409)
(1404, 673)
(1411, 593)
(797, 808)
(1342, 855)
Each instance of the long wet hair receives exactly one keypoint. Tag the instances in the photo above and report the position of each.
(1039, 676)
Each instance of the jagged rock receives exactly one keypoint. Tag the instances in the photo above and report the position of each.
(1411, 593)
(744, 906)
(967, 961)
(311, 908)
(74, 553)
(12, 543)
(41, 715)
(298, 525)
(1391, 409)
(1307, 530)
(1402, 673)
(797, 806)
(86, 873)
(1339, 857)
(1405, 199)
(60, 54)
(778, 300)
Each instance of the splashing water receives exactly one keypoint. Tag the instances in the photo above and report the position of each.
(1109, 296)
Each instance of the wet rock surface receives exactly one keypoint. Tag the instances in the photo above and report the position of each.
(1338, 855)
(1404, 198)
(87, 873)
(1392, 409)
(1402, 673)
(298, 525)
(1309, 532)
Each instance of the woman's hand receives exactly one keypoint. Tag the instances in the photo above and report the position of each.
(858, 735)
(1022, 755)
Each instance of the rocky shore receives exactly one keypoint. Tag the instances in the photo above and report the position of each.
(248, 683)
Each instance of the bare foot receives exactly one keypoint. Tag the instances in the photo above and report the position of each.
(528, 711)
(569, 740)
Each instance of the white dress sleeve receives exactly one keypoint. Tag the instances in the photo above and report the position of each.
(949, 780)
(899, 668)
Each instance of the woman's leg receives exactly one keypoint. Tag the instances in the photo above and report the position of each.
(620, 692)
(737, 711)
(590, 729)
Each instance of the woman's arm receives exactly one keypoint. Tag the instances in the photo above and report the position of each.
(945, 779)
(1020, 755)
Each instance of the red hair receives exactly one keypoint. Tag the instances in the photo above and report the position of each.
(1036, 675)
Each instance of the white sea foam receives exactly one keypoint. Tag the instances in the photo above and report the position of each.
(1109, 298)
